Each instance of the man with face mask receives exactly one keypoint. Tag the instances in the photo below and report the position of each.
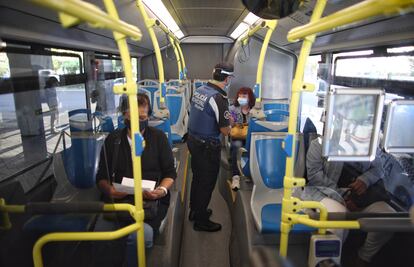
(157, 162)
(209, 117)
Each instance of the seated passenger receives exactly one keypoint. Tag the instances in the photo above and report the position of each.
(361, 180)
(157, 165)
(239, 112)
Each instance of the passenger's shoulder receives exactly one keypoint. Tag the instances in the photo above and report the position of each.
(155, 132)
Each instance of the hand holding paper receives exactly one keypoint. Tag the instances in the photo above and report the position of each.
(127, 185)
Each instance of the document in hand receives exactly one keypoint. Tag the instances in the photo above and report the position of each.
(127, 185)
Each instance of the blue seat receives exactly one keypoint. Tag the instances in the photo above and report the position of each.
(178, 114)
(257, 126)
(80, 120)
(268, 105)
(74, 170)
(271, 218)
(276, 115)
(267, 165)
(163, 125)
(150, 91)
(198, 83)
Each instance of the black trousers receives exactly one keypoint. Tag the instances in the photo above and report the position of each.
(205, 164)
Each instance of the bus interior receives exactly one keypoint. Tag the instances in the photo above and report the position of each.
(338, 70)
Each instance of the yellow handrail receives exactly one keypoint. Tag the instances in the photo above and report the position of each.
(72, 11)
(252, 31)
(137, 139)
(352, 14)
(289, 180)
(175, 44)
(149, 24)
(271, 25)
(290, 205)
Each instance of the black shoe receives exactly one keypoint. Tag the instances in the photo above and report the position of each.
(207, 226)
(192, 214)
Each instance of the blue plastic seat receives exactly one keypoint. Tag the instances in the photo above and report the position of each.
(257, 126)
(80, 120)
(276, 115)
(74, 170)
(271, 218)
(163, 125)
(267, 165)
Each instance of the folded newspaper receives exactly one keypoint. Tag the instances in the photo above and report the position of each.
(127, 185)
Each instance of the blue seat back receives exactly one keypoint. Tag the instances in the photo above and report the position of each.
(257, 126)
(121, 124)
(81, 160)
(271, 158)
(275, 105)
(149, 90)
(80, 120)
(163, 125)
(276, 115)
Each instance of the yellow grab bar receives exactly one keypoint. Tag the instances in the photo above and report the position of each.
(149, 23)
(89, 13)
(297, 82)
(271, 24)
(355, 13)
(78, 236)
(137, 146)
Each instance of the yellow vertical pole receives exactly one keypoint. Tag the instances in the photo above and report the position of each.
(271, 25)
(131, 89)
(149, 23)
(182, 61)
(177, 56)
(297, 85)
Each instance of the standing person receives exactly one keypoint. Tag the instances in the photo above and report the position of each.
(239, 112)
(52, 102)
(209, 116)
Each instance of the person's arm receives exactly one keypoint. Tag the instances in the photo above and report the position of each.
(374, 173)
(168, 172)
(105, 170)
(315, 167)
(220, 107)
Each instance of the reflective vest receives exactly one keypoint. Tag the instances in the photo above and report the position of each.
(203, 123)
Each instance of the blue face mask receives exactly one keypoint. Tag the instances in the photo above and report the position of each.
(243, 101)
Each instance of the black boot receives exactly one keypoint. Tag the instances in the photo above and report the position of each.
(207, 226)
(191, 216)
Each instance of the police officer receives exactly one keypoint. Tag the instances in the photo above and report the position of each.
(209, 116)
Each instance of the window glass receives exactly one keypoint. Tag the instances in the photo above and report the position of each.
(35, 97)
(389, 67)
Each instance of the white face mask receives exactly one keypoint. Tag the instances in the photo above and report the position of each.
(243, 101)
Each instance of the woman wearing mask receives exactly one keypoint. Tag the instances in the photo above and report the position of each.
(239, 111)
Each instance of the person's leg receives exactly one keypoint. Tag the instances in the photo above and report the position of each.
(208, 172)
(196, 161)
(234, 148)
(375, 240)
(334, 206)
(235, 181)
(131, 245)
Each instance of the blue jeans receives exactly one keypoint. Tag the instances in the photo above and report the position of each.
(234, 148)
(131, 245)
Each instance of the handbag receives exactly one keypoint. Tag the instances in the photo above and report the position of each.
(239, 131)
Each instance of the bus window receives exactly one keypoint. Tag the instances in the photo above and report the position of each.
(37, 89)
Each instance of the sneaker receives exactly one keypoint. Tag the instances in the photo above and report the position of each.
(235, 183)
(192, 214)
(207, 226)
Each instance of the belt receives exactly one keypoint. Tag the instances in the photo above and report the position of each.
(204, 140)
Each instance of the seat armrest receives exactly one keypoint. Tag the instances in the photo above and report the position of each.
(240, 152)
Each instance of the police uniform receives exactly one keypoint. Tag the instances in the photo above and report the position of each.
(209, 112)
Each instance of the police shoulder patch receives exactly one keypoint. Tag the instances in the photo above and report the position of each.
(227, 115)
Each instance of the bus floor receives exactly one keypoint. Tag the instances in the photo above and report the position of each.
(396, 252)
(203, 248)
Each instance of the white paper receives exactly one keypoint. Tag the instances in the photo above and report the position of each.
(127, 185)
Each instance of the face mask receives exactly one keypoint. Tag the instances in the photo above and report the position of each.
(242, 101)
(127, 123)
(143, 125)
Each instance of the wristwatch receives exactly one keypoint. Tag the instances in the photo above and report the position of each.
(163, 189)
